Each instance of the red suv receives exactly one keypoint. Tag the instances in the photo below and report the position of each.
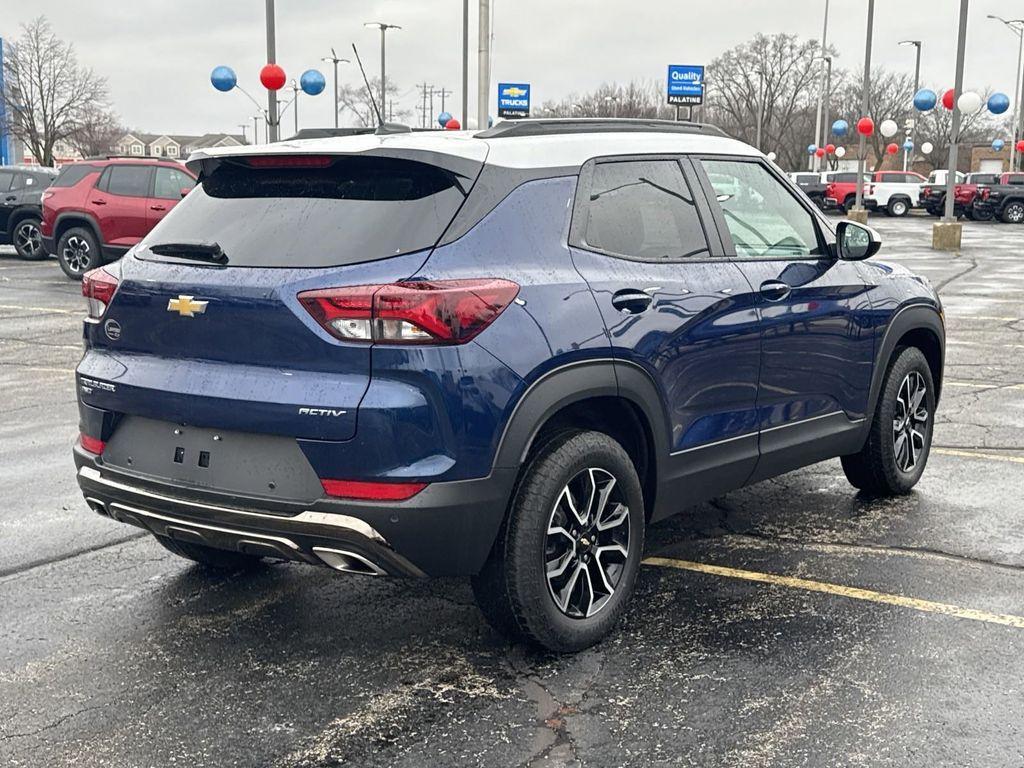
(97, 209)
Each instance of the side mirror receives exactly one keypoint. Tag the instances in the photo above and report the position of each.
(855, 242)
(185, 190)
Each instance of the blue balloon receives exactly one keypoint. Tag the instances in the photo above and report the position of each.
(840, 128)
(443, 118)
(998, 144)
(812, 148)
(908, 145)
(312, 82)
(223, 78)
(998, 103)
(925, 99)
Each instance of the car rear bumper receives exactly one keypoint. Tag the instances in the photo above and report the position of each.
(445, 530)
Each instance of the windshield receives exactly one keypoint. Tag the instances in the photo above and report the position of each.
(348, 210)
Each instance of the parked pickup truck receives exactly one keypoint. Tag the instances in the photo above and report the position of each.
(1004, 199)
(966, 194)
(841, 190)
(894, 192)
(812, 184)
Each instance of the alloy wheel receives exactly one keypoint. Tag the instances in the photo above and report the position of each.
(1015, 213)
(910, 421)
(28, 239)
(76, 253)
(587, 543)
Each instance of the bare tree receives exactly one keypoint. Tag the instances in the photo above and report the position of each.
(357, 101)
(48, 94)
(638, 98)
(97, 132)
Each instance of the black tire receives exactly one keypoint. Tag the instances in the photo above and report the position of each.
(513, 589)
(209, 557)
(1013, 212)
(879, 468)
(898, 207)
(849, 203)
(78, 252)
(982, 214)
(27, 239)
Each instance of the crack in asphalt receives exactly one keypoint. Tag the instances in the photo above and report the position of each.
(33, 564)
(974, 265)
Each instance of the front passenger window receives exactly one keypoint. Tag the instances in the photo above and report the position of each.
(764, 219)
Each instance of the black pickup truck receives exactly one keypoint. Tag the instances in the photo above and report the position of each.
(812, 184)
(21, 189)
(1004, 199)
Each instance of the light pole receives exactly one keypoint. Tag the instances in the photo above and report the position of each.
(760, 107)
(1017, 27)
(615, 102)
(244, 127)
(294, 104)
(333, 58)
(828, 97)
(465, 64)
(483, 64)
(272, 118)
(946, 234)
(383, 76)
(821, 91)
(917, 87)
(865, 106)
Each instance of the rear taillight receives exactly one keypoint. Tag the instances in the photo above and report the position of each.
(357, 489)
(413, 312)
(91, 444)
(983, 192)
(98, 287)
(46, 195)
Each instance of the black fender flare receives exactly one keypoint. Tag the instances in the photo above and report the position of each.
(83, 219)
(909, 318)
(22, 212)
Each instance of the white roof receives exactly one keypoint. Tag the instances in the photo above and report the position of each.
(543, 151)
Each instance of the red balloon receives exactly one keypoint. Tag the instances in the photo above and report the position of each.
(272, 77)
(1020, 145)
(947, 99)
(892, 149)
(453, 125)
(865, 126)
(830, 149)
(819, 152)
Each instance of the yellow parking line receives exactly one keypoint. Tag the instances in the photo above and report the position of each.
(982, 385)
(42, 309)
(855, 593)
(977, 455)
(956, 316)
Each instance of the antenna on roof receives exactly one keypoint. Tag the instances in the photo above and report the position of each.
(369, 90)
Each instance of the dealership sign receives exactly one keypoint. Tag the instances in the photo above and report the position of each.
(686, 84)
(513, 99)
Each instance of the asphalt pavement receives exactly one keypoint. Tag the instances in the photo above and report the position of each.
(793, 623)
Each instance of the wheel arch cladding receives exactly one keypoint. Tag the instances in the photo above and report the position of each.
(918, 325)
(68, 221)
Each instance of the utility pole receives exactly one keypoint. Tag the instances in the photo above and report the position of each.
(443, 93)
(814, 166)
(483, 86)
(465, 63)
(1017, 27)
(423, 110)
(865, 107)
(333, 58)
(917, 87)
(383, 27)
(271, 59)
(430, 123)
(946, 234)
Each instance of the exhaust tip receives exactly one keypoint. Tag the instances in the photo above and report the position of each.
(97, 506)
(348, 562)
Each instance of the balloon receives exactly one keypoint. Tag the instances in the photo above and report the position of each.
(998, 103)
(892, 148)
(312, 82)
(830, 149)
(925, 99)
(926, 148)
(223, 78)
(472, 123)
(969, 102)
(272, 77)
(888, 128)
(443, 118)
(865, 126)
(840, 152)
(1020, 145)
(840, 127)
(819, 152)
(452, 125)
(812, 148)
(772, 156)
(998, 144)
(908, 145)
(947, 99)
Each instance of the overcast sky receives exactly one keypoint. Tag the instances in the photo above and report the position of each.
(157, 55)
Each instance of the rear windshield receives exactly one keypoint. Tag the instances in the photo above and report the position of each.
(72, 174)
(353, 210)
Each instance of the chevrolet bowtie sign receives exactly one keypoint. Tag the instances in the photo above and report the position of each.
(513, 99)
(186, 306)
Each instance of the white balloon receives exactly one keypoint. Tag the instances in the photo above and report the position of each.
(888, 128)
(840, 151)
(471, 124)
(926, 148)
(771, 156)
(969, 102)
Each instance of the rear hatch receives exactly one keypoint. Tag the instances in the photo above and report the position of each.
(205, 328)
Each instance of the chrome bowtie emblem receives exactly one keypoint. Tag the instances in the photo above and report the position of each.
(186, 306)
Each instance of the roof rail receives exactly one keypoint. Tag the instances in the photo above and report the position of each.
(562, 126)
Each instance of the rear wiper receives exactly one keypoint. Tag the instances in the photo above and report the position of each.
(198, 251)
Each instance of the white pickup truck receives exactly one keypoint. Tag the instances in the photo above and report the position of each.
(895, 192)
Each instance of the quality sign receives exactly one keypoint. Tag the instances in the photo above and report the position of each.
(513, 99)
(686, 84)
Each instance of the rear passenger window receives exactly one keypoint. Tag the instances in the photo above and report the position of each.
(6, 177)
(72, 174)
(170, 182)
(129, 180)
(643, 210)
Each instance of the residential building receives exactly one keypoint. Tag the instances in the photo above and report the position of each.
(173, 146)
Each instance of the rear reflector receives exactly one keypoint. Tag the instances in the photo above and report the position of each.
(355, 489)
(290, 161)
(411, 312)
(98, 287)
(91, 444)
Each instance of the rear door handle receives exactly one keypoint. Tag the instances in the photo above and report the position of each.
(775, 290)
(10, 198)
(630, 301)
(98, 202)
(158, 207)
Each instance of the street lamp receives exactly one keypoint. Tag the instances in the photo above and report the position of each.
(293, 103)
(615, 102)
(383, 27)
(333, 58)
(1017, 27)
(245, 127)
(865, 109)
(917, 87)
(821, 91)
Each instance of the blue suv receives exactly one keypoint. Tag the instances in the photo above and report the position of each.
(500, 355)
